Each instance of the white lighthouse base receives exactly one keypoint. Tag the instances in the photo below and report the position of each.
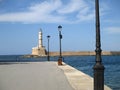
(39, 51)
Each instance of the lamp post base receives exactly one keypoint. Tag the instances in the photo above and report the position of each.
(60, 61)
(98, 76)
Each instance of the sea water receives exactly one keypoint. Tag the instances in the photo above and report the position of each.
(82, 63)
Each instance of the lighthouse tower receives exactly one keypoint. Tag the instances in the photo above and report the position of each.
(40, 49)
(40, 39)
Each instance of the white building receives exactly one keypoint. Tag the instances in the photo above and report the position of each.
(40, 49)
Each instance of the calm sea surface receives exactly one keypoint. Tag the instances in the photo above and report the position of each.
(83, 63)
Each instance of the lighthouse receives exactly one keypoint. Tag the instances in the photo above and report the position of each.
(40, 39)
(40, 49)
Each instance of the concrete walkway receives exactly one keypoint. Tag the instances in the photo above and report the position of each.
(33, 76)
(43, 76)
(78, 79)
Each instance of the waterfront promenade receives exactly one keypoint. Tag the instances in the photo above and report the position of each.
(43, 76)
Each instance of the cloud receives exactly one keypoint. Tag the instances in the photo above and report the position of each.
(35, 13)
(86, 14)
(113, 30)
(52, 11)
(73, 6)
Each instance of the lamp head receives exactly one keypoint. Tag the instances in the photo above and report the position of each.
(48, 36)
(59, 28)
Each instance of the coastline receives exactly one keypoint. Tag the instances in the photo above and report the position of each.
(84, 53)
(77, 53)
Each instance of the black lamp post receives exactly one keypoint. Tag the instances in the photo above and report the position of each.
(48, 48)
(60, 37)
(98, 67)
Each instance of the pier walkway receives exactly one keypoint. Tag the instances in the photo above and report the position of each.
(43, 76)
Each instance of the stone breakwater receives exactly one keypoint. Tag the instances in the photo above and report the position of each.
(83, 53)
(79, 53)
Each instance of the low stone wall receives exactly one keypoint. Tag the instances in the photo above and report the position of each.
(80, 53)
(71, 53)
(111, 53)
(83, 53)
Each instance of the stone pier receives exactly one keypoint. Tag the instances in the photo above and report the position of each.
(43, 76)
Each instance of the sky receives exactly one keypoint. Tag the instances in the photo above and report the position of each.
(21, 20)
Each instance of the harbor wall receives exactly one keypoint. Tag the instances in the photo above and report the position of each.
(77, 53)
(83, 53)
